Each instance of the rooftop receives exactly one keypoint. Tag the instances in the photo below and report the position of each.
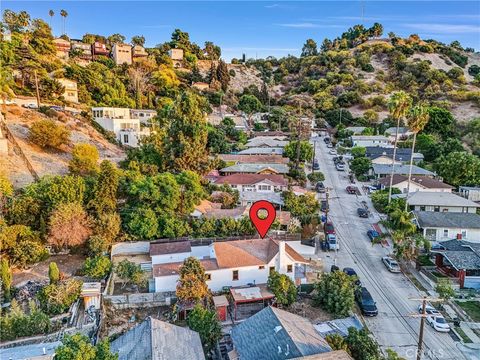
(338, 326)
(426, 182)
(461, 254)
(261, 159)
(456, 220)
(386, 169)
(439, 199)
(170, 248)
(262, 151)
(266, 142)
(252, 196)
(369, 137)
(272, 333)
(251, 293)
(250, 179)
(401, 130)
(332, 355)
(256, 168)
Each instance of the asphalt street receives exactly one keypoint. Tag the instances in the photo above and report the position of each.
(394, 327)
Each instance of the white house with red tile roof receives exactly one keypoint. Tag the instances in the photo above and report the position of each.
(254, 182)
(227, 263)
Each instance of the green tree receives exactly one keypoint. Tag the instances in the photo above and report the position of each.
(309, 48)
(105, 191)
(84, 159)
(206, 323)
(79, 347)
(249, 104)
(315, 177)
(191, 191)
(6, 277)
(444, 289)
(143, 223)
(459, 168)
(306, 151)
(6, 85)
(57, 298)
(337, 342)
(53, 273)
(358, 151)
(360, 165)
(362, 346)
(107, 226)
(46, 133)
(16, 323)
(138, 40)
(283, 288)
(130, 272)
(192, 283)
(301, 206)
(223, 75)
(338, 116)
(97, 267)
(334, 292)
(16, 22)
(440, 122)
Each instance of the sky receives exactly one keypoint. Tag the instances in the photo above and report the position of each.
(259, 28)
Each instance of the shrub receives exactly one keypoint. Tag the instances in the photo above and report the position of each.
(46, 133)
(84, 159)
(17, 323)
(315, 177)
(57, 298)
(335, 293)
(97, 267)
(283, 288)
(53, 273)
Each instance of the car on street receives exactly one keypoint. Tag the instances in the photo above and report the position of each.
(352, 189)
(365, 302)
(57, 108)
(320, 187)
(329, 228)
(329, 145)
(362, 212)
(326, 140)
(391, 264)
(340, 167)
(438, 322)
(429, 310)
(316, 165)
(333, 152)
(350, 272)
(372, 234)
(331, 242)
(30, 106)
(324, 205)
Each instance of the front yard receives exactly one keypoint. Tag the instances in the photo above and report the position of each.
(472, 308)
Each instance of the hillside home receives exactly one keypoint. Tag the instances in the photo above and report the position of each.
(255, 182)
(355, 130)
(440, 202)
(63, 48)
(384, 155)
(370, 140)
(417, 183)
(71, 92)
(139, 53)
(253, 159)
(383, 170)
(177, 57)
(470, 192)
(144, 115)
(99, 49)
(255, 169)
(439, 226)
(460, 260)
(82, 50)
(227, 263)
(118, 120)
(122, 54)
(210, 210)
(403, 133)
(248, 198)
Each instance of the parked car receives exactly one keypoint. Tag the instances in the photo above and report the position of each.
(30, 106)
(316, 165)
(429, 309)
(338, 159)
(320, 187)
(57, 108)
(324, 205)
(352, 189)
(372, 234)
(331, 242)
(333, 152)
(391, 264)
(329, 145)
(340, 167)
(326, 139)
(365, 302)
(351, 272)
(329, 228)
(362, 212)
(438, 322)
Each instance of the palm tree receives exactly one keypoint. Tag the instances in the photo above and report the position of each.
(64, 14)
(417, 119)
(51, 13)
(398, 105)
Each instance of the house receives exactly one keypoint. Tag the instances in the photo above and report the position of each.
(265, 142)
(177, 57)
(440, 202)
(71, 92)
(470, 192)
(384, 155)
(209, 210)
(201, 85)
(138, 53)
(255, 169)
(99, 49)
(247, 198)
(227, 263)
(439, 226)
(383, 170)
(274, 334)
(81, 49)
(370, 140)
(63, 48)
(461, 260)
(144, 115)
(403, 133)
(262, 151)
(253, 159)
(417, 183)
(254, 182)
(355, 130)
(122, 54)
(158, 340)
(118, 120)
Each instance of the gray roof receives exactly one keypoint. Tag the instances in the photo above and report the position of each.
(273, 197)
(265, 142)
(447, 220)
(393, 130)
(255, 168)
(262, 151)
(386, 169)
(433, 198)
(30, 351)
(274, 334)
(461, 254)
(158, 340)
(339, 326)
(369, 138)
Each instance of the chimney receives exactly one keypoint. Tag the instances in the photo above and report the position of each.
(459, 236)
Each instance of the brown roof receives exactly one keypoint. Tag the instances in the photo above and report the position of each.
(425, 181)
(216, 213)
(170, 248)
(254, 159)
(248, 179)
(331, 355)
(173, 268)
(206, 206)
(292, 253)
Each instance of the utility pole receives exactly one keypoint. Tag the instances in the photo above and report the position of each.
(36, 88)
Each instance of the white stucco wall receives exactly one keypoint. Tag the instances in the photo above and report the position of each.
(169, 258)
(166, 283)
(471, 210)
(472, 235)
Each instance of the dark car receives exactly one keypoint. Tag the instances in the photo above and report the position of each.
(363, 213)
(351, 272)
(334, 268)
(372, 234)
(319, 187)
(326, 139)
(324, 205)
(352, 189)
(365, 302)
(329, 228)
(316, 166)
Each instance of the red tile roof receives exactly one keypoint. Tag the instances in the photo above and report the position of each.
(170, 248)
(249, 179)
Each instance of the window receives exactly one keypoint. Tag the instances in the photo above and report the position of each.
(464, 234)
(436, 208)
(422, 208)
(264, 187)
(289, 268)
(208, 276)
(272, 269)
(445, 233)
(235, 275)
(261, 267)
(125, 138)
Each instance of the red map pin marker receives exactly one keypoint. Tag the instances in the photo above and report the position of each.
(262, 225)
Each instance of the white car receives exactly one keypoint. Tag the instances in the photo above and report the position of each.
(439, 323)
(391, 264)
(340, 167)
(329, 145)
(333, 152)
(30, 106)
(429, 310)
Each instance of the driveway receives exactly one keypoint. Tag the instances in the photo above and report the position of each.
(394, 327)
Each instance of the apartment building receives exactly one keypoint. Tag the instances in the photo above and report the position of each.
(122, 54)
